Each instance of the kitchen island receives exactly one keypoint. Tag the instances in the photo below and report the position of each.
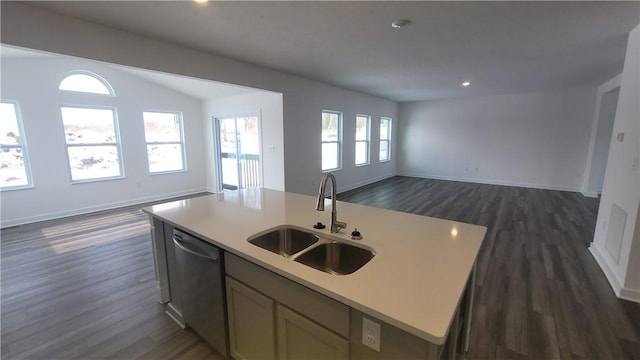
(418, 286)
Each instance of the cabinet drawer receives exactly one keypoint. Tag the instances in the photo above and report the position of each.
(313, 305)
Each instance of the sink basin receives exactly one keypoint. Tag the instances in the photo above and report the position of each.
(336, 258)
(285, 241)
(329, 255)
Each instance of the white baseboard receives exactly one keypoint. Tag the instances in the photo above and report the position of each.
(590, 194)
(630, 294)
(616, 284)
(490, 182)
(606, 269)
(363, 183)
(89, 209)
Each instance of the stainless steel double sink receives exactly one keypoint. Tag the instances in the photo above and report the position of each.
(317, 251)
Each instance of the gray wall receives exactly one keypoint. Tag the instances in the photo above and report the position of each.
(538, 140)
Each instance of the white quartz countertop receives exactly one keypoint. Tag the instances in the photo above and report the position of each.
(414, 282)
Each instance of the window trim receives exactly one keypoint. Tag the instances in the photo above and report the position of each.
(367, 141)
(23, 146)
(338, 141)
(181, 143)
(111, 93)
(388, 140)
(118, 142)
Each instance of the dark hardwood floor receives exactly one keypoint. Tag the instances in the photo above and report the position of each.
(83, 287)
(539, 292)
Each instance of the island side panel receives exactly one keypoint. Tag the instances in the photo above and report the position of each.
(160, 259)
(394, 343)
(174, 306)
(468, 309)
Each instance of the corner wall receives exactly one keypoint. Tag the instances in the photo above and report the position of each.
(616, 243)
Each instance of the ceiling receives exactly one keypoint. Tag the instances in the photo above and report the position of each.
(197, 88)
(501, 47)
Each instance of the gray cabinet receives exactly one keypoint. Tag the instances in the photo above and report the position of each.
(301, 338)
(251, 323)
(272, 317)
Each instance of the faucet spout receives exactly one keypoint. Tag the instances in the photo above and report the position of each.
(335, 225)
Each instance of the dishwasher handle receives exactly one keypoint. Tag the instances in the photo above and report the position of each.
(179, 244)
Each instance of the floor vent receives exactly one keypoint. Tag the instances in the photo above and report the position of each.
(615, 232)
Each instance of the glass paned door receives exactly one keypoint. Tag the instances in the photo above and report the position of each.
(238, 140)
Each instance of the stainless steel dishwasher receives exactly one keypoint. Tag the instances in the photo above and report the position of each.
(201, 273)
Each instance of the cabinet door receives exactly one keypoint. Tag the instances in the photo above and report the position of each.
(301, 338)
(251, 323)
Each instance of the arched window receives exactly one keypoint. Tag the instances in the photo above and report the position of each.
(91, 132)
(86, 82)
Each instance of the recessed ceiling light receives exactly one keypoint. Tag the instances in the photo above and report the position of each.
(201, 1)
(400, 23)
(466, 83)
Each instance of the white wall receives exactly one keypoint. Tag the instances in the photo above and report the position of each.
(303, 99)
(622, 184)
(604, 115)
(34, 84)
(269, 107)
(535, 140)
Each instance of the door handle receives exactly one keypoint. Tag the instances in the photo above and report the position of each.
(179, 244)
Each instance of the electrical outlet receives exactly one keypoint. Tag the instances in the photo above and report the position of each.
(371, 334)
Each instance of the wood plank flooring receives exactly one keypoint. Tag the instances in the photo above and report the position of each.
(83, 287)
(539, 292)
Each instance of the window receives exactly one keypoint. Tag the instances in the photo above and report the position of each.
(385, 139)
(93, 145)
(87, 83)
(91, 133)
(362, 139)
(15, 172)
(165, 144)
(331, 140)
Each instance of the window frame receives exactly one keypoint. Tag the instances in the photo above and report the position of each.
(117, 144)
(387, 140)
(338, 141)
(91, 74)
(181, 142)
(367, 141)
(22, 146)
